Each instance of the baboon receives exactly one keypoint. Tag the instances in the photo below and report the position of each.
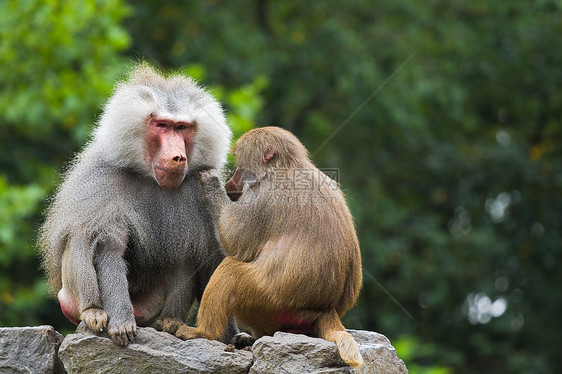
(127, 238)
(293, 261)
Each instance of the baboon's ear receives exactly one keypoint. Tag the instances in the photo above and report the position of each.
(268, 154)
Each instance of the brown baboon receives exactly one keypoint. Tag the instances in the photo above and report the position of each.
(293, 259)
(127, 238)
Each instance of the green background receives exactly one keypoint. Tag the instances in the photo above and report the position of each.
(442, 117)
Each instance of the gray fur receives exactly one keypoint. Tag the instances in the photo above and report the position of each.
(121, 230)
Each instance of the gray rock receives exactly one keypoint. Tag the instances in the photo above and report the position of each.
(378, 353)
(152, 352)
(34, 350)
(30, 350)
(291, 353)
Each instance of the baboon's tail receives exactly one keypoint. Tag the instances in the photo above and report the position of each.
(329, 327)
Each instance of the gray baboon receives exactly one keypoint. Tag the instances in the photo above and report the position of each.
(127, 239)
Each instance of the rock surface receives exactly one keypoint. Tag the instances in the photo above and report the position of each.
(30, 350)
(35, 349)
(152, 352)
(378, 353)
(290, 353)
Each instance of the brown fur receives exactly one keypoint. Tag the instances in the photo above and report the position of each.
(291, 243)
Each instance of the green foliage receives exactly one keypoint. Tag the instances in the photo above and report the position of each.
(442, 117)
(245, 105)
(16, 203)
(49, 47)
(412, 351)
(242, 104)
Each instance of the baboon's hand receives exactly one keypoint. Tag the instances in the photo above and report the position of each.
(213, 193)
(176, 327)
(95, 319)
(168, 324)
(123, 332)
(209, 180)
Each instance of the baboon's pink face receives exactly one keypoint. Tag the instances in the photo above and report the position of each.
(168, 148)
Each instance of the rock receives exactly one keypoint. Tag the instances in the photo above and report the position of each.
(30, 350)
(160, 352)
(291, 353)
(294, 353)
(378, 353)
(152, 352)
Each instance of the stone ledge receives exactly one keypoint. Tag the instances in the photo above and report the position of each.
(39, 350)
(30, 350)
